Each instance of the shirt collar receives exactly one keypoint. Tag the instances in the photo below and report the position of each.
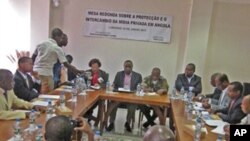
(23, 74)
(52, 40)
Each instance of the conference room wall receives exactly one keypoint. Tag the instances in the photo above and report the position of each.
(229, 45)
(112, 52)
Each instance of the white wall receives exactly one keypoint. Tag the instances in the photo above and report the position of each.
(112, 52)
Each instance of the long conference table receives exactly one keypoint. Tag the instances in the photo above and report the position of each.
(85, 102)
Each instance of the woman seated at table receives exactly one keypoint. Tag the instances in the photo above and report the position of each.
(97, 78)
(95, 75)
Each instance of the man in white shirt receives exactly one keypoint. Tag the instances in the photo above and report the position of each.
(46, 55)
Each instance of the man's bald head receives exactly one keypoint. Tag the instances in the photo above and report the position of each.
(58, 128)
(245, 105)
(159, 133)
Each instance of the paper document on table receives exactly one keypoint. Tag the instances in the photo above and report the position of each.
(96, 87)
(151, 94)
(64, 90)
(124, 90)
(219, 129)
(215, 122)
(49, 96)
(42, 103)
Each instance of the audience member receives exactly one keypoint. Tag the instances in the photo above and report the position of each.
(46, 55)
(233, 113)
(222, 83)
(98, 78)
(159, 133)
(9, 100)
(60, 128)
(189, 81)
(25, 88)
(153, 83)
(71, 75)
(57, 66)
(126, 79)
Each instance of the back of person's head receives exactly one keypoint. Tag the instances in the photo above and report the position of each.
(58, 128)
(159, 133)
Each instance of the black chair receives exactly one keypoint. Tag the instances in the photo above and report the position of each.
(246, 88)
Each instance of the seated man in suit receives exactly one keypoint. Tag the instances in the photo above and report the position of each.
(24, 87)
(127, 79)
(153, 83)
(233, 113)
(245, 106)
(98, 78)
(9, 100)
(216, 93)
(222, 83)
(189, 81)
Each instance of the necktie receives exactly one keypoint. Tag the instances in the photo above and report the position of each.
(27, 81)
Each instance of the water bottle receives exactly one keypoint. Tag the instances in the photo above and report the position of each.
(97, 136)
(190, 95)
(108, 87)
(84, 137)
(219, 137)
(138, 89)
(182, 91)
(17, 131)
(32, 118)
(198, 128)
(190, 111)
(49, 111)
(173, 94)
(74, 94)
(62, 100)
(39, 134)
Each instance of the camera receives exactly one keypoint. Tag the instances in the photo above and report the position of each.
(75, 123)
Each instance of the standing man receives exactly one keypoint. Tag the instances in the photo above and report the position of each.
(126, 79)
(46, 55)
(189, 81)
(153, 83)
(24, 87)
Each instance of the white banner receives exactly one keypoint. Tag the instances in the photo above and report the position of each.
(124, 25)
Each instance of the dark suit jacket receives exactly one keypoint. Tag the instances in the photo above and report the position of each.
(103, 75)
(119, 80)
(195, 82)
(233, 115)
(21, 89)
(215, 94)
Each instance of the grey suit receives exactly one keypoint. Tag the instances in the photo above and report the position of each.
(21, 88)
(119, 82)
(195, 82)
(234, 114)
